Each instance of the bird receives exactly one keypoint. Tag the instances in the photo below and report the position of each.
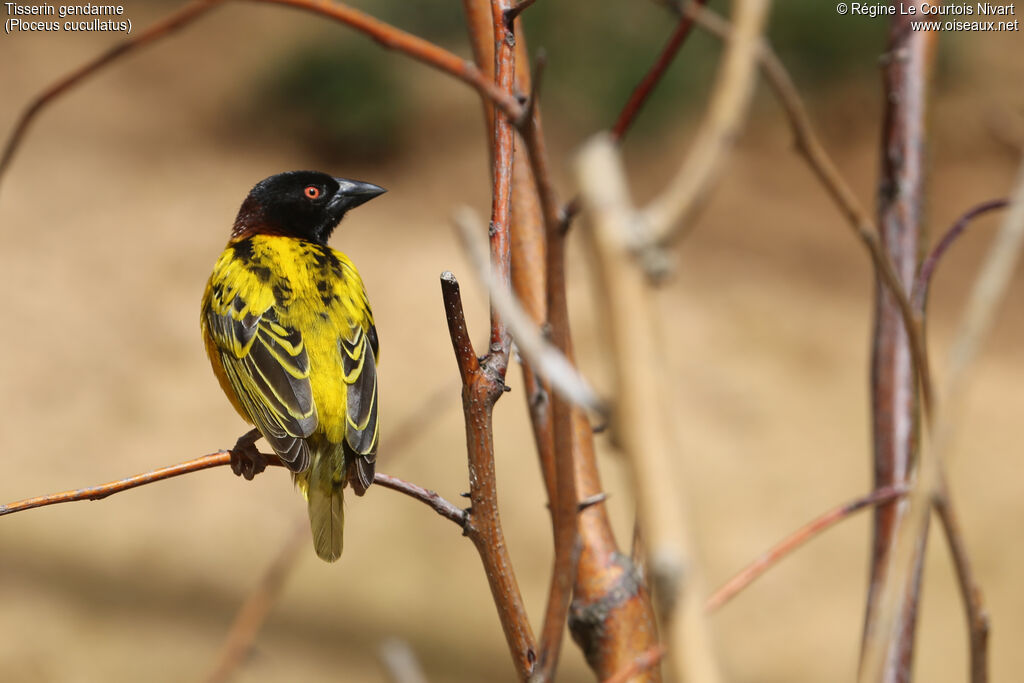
(290, 335)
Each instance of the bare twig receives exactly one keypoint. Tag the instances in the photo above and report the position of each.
(898, 369)
(974, 610)
(986, 296)
(787, 545)
(257, 606)
(639, 96)
(922, 283)
(165, 27)
(413, 46)
(103, 490)
(438, 504)
(386, 35)
(611, 616)
(428, 497)
(503, 157)
(481, 389)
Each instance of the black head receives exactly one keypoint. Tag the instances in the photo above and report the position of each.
(304, 204)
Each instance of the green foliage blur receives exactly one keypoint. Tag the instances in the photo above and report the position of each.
(340, 97)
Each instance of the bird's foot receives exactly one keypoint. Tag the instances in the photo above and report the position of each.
(246, 459)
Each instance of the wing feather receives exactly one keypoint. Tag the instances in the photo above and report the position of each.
(267, 365)
(359, 364)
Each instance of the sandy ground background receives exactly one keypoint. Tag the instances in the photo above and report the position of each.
(119, 203)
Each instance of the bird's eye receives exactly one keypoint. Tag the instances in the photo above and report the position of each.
(312, 191)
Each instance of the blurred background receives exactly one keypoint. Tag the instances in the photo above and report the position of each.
(123, 195)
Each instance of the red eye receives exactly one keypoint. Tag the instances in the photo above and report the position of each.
(312, 191)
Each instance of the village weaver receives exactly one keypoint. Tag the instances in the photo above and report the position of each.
(289, 332)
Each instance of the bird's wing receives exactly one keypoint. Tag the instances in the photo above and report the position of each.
(359, 365)
(267, 365)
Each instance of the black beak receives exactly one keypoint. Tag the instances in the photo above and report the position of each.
(352, 193)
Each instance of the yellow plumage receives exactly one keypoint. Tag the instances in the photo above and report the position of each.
(291, 338)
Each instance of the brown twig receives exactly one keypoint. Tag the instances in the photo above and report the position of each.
(103, 490)
(173, 22)
(611, 615)
(641, 664)
(503, 157)
(384, 34)
(897, 368)
(481, 389)
(974, 610)
(639, 96)
(922, 283)
(413, 46)
(257, 606)
(805, 533)
(426, 496)
(563, 507)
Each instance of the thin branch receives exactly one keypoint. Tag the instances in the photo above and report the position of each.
(805, 533)
(641, 664)
(165, 27)
(430, 498)
(986, 297)
(257, 606)
(922, 283)
(384, 34)
(503, 157)
(426, 496)
(103, 490)
(413, 46)
(481, 389)
(639, 96)
(465, 357)
(611, 616)
(974, 610)
(900, 380)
